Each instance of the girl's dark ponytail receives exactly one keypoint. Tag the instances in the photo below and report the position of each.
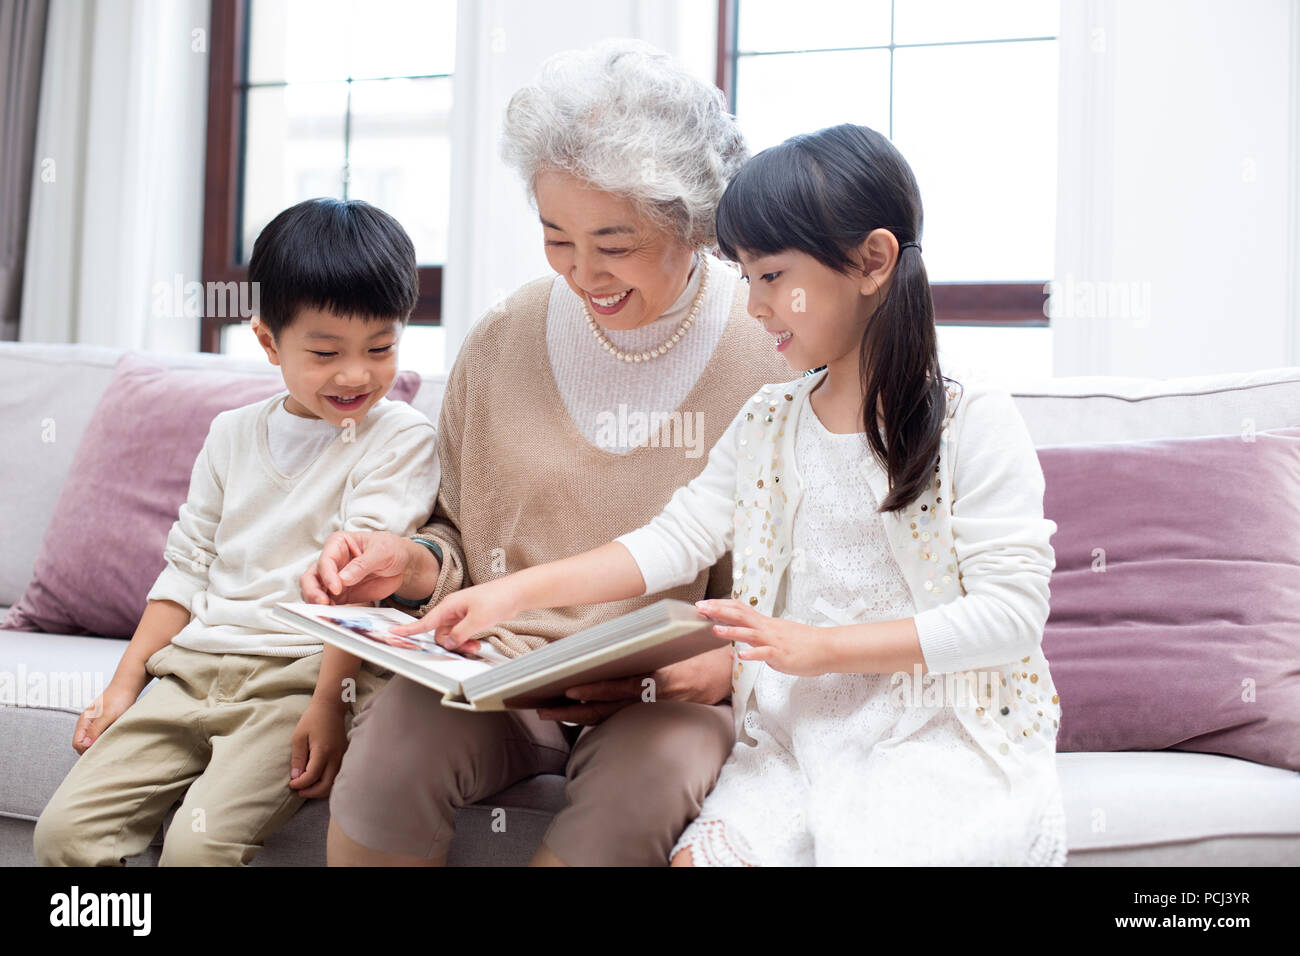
(822, 194)
(900, 370)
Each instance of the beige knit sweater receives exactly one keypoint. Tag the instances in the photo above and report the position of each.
(521, 485)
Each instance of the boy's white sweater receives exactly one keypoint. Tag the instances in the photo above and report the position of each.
(247, 532)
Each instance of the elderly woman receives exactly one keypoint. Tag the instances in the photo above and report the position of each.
(572, 413)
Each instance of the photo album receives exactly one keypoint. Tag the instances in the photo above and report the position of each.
(633, 644)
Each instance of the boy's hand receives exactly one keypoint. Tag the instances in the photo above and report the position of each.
(317, 750)
(467, 612)
(787, 646)
(101, 713)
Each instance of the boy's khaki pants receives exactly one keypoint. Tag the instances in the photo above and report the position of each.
(220, 725)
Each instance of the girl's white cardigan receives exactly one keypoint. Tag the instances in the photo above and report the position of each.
(974, 549)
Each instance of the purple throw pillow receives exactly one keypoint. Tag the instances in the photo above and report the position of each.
(1175, 605)
(103, 549)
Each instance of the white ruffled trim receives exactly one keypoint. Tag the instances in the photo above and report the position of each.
(709, 845)
(1047, 846)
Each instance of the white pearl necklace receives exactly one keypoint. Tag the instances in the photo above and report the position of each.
(672, 340)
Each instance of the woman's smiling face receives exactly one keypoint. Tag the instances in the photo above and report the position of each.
(627, 269)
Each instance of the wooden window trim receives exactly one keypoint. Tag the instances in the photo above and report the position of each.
(1016, 304)
(222, 174)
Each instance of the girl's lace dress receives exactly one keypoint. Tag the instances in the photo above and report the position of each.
(853, 769)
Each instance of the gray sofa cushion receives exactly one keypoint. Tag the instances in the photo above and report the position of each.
(1127, 799)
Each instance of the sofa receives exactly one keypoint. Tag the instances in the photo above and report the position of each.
(1128, 808)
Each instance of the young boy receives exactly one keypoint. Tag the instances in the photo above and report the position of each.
(244, 704)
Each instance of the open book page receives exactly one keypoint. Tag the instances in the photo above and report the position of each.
(362, 624)
(637, 643)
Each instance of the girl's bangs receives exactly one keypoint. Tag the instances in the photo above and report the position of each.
(746, 217)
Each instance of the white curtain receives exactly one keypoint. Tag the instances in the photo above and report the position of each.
(1085, 173)
(494, 243)
(1178, 230)
(117, 195)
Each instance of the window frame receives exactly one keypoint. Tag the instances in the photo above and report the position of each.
(1000, 304)
(995, 304)
(223, 173)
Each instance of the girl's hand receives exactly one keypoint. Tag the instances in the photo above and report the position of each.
(316, 751)
(467, 612)
(787, 646)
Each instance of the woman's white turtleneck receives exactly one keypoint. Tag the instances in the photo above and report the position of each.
(594, 383)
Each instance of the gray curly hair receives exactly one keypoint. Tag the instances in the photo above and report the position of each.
(625, 117)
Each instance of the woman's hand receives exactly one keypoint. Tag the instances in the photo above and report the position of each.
(356, 567)
(704, 678)
(316, 750)
(788, 646)
(464, 613)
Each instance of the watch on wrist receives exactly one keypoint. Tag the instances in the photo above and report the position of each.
(437, 553)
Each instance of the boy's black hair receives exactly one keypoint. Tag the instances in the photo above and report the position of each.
(822, 194)
(341, 256)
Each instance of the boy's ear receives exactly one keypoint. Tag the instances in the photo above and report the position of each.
(266, 340)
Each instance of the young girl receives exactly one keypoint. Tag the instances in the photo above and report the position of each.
(889, 550)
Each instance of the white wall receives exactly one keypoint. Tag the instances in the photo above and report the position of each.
(1180, 184)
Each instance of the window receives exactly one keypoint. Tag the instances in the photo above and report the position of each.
(968, 93)
(343, 98)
